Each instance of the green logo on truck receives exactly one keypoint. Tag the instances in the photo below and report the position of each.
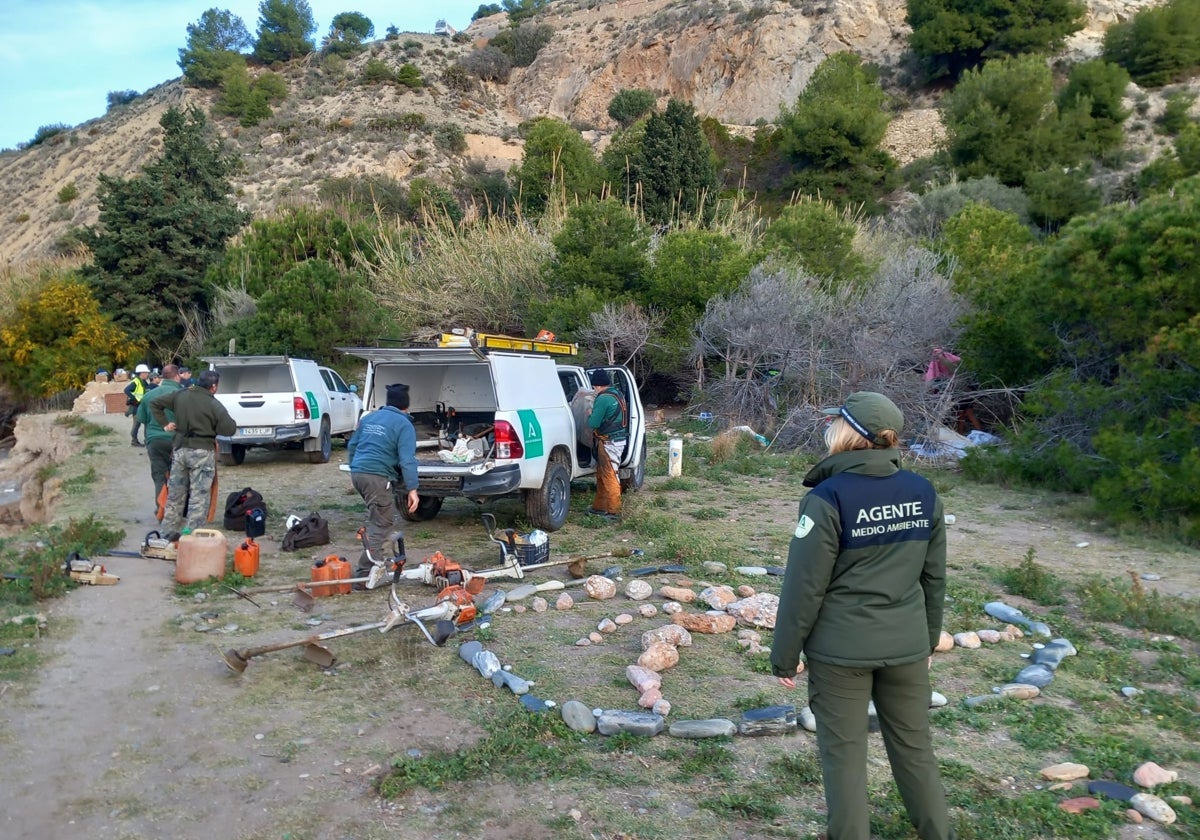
(531, 431)
(314, 407)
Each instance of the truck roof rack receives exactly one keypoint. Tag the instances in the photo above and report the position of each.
(544, 343)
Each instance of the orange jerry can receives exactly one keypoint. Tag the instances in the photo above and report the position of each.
(340, 571)
(245, 558)
(321, 571)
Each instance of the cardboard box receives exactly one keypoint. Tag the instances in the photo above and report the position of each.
(114, 403)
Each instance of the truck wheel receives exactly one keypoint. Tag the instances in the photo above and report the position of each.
(547, 507)
(234, 457)
(324, 449)
(427, 507)
(635, 481)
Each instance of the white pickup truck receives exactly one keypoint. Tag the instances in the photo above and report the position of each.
(513, 411)
(279, 403)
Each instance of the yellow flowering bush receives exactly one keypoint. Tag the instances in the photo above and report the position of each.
(56, 338)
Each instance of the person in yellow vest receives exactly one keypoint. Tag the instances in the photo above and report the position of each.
(134, 391)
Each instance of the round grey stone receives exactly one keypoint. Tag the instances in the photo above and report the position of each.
(578, 717)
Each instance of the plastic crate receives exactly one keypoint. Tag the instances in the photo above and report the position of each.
(532, 555)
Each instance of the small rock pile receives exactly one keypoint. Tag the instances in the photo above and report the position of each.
(1141, 804)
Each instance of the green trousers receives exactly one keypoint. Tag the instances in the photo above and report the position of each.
(838, 697)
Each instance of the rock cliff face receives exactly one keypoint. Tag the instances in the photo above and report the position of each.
(735, 67)
(736, 62)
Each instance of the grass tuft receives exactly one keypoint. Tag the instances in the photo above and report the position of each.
(1029, 580)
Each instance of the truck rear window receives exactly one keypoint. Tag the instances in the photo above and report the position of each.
(254, 380)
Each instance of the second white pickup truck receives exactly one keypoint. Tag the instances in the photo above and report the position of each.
(279, 402)
(513, 412)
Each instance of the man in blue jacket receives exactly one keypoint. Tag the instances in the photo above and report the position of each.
(383, 451)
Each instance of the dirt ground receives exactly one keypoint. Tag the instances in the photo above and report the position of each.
(134, 728)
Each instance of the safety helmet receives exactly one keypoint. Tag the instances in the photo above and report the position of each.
(142, 369)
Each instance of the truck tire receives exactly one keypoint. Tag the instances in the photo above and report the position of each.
(234, 457)
(548, 506)
(634, 482)
(324, 449)
(427, 507)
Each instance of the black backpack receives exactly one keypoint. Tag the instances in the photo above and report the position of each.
(308, 532)
(238, 503)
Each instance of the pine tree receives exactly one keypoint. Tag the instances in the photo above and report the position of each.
(160, 231)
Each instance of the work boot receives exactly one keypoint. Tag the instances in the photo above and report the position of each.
(136, 442)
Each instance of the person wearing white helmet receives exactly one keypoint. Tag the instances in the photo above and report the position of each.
(134, 391)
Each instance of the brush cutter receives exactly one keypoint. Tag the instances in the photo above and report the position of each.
(453, 611)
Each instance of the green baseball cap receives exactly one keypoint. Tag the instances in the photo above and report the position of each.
(869, 413)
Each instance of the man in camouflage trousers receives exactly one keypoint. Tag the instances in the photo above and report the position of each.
(199, 418)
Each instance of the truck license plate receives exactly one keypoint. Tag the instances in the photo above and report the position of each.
(255, 431)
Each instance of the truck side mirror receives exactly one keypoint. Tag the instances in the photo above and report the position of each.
(353, 389)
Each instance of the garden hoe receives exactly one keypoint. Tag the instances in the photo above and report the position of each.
(453, 611)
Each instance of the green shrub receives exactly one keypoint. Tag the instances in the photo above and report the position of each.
(1131, 605)
(522, 43)
(306, 311)
(1094, 92)
(400, 122)
(45, 132)
(1175, 116)
(932, 209)
(377, 72)
(1056, 196)
(409, 76)
(556, 161)
(630, 104)
(833, 131)
(999, 122)
(68, 193)
(39, 567)
(457, 77)
(368, 197)
(1029, 580)
(449, 137)
(117, 98)
(246, 98)
(955, 35)
(1159, 44)
(434, 201)
(488, 64)
(819, 238)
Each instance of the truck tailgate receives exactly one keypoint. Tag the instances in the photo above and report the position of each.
(258, 413)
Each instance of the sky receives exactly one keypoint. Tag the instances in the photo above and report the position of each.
(59, 59)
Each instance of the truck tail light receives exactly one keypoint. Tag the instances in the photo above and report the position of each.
(300, 405)
(508, 445)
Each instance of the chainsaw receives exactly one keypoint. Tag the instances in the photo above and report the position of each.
(83, 570)
(157, 547)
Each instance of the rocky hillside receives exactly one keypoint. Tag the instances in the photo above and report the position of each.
(737, 62)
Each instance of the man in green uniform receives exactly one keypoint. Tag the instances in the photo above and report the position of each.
(199, 418)
(609, 422)
(862, 598)
(158, 439)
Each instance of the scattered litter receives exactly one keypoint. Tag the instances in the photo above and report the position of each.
(950, 519)
(1082, 544)
(946, 443)
(1151, 577)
